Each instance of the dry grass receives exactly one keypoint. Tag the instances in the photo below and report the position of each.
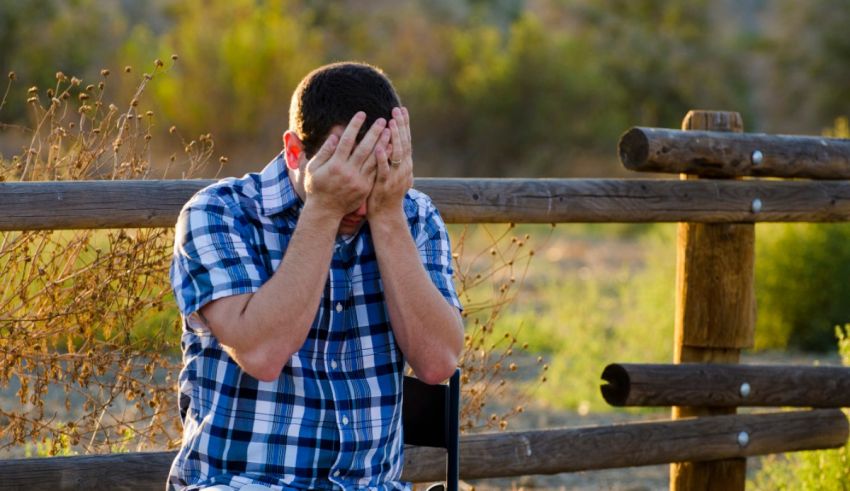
(77, 307)
(488, 280)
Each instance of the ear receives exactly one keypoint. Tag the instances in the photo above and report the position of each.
(293, 149)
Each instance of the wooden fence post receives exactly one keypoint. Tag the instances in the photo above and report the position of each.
(715, 310)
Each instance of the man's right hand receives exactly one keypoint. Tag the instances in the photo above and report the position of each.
(341, 175)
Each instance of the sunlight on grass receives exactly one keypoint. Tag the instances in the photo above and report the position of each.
(590, 300)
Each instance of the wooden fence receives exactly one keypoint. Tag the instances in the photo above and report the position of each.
(706, 442)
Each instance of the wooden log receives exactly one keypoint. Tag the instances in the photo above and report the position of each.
(116, 204)
(718, 385)
(652, 443)
(719, 154)
(93, 204)
(502, 454)
(715, 310)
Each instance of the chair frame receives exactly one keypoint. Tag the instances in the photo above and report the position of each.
(431, 418)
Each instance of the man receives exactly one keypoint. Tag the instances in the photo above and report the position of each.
(304, 289)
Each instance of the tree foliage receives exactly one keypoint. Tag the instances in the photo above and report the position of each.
(534, 87)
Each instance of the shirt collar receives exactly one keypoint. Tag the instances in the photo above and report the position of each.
(277, 193)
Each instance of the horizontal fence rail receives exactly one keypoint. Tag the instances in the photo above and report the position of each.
(725, 385)
(505, 454)
(729, 154)
(116, 204)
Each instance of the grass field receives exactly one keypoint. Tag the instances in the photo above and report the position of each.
(593, 295)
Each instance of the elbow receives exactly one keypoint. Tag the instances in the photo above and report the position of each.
(436, 371)
(435, 376)
(438, 367)
(260, 364)
(264, 374)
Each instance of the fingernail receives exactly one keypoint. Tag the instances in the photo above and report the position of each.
(360, 115)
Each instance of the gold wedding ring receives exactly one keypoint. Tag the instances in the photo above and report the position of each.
(395, 163)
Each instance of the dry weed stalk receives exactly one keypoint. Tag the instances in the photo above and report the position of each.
(82, 312)
(488, 281)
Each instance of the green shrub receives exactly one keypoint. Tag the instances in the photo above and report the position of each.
(801, 284)
(823, 470)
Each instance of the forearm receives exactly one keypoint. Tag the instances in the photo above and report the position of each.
(427, 327)
(268, 326)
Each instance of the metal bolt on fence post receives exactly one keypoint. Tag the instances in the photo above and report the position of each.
(757, 157)
(756, 205)
(745, 390)
(743, 438)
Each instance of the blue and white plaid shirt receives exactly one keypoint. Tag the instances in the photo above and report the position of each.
(333, 418)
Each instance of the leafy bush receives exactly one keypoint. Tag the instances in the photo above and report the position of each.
(238, 59)
(801, 284)
(824, 470)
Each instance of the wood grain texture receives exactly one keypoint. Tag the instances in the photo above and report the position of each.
(715, 307)
(503, 454)
(718, 154)
(719, 385)
(709, 476)
(93, 204)
(715, 294)
(726, 121)
(116, 204)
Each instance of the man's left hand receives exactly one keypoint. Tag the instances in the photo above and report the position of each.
(394, 169)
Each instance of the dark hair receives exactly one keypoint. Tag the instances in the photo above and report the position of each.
(332, 94)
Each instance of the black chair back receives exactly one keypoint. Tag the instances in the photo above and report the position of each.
(430, 417)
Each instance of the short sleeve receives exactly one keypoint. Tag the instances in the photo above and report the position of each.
(435, 251)
(213, 257)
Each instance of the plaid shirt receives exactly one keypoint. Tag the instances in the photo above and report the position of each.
(332, 419)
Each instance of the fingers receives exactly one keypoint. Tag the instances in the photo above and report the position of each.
(401, 135)
(366, 146)
(382, 164)
(326, 151)
(349, 136)
(379, 155)
(396, 154)
(406, 127)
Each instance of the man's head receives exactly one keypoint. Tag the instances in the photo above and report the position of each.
(330, 95)
(323, 104)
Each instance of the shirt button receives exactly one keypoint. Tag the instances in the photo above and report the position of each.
(333, 364)
(338, 307)
(336, 473)
(345, 420)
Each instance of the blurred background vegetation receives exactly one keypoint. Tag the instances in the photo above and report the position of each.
(531, 88)
(496, 88)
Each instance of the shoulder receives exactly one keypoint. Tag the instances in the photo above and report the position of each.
(422, 216)
(418, 204)
(226, 203)
(227, 197)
